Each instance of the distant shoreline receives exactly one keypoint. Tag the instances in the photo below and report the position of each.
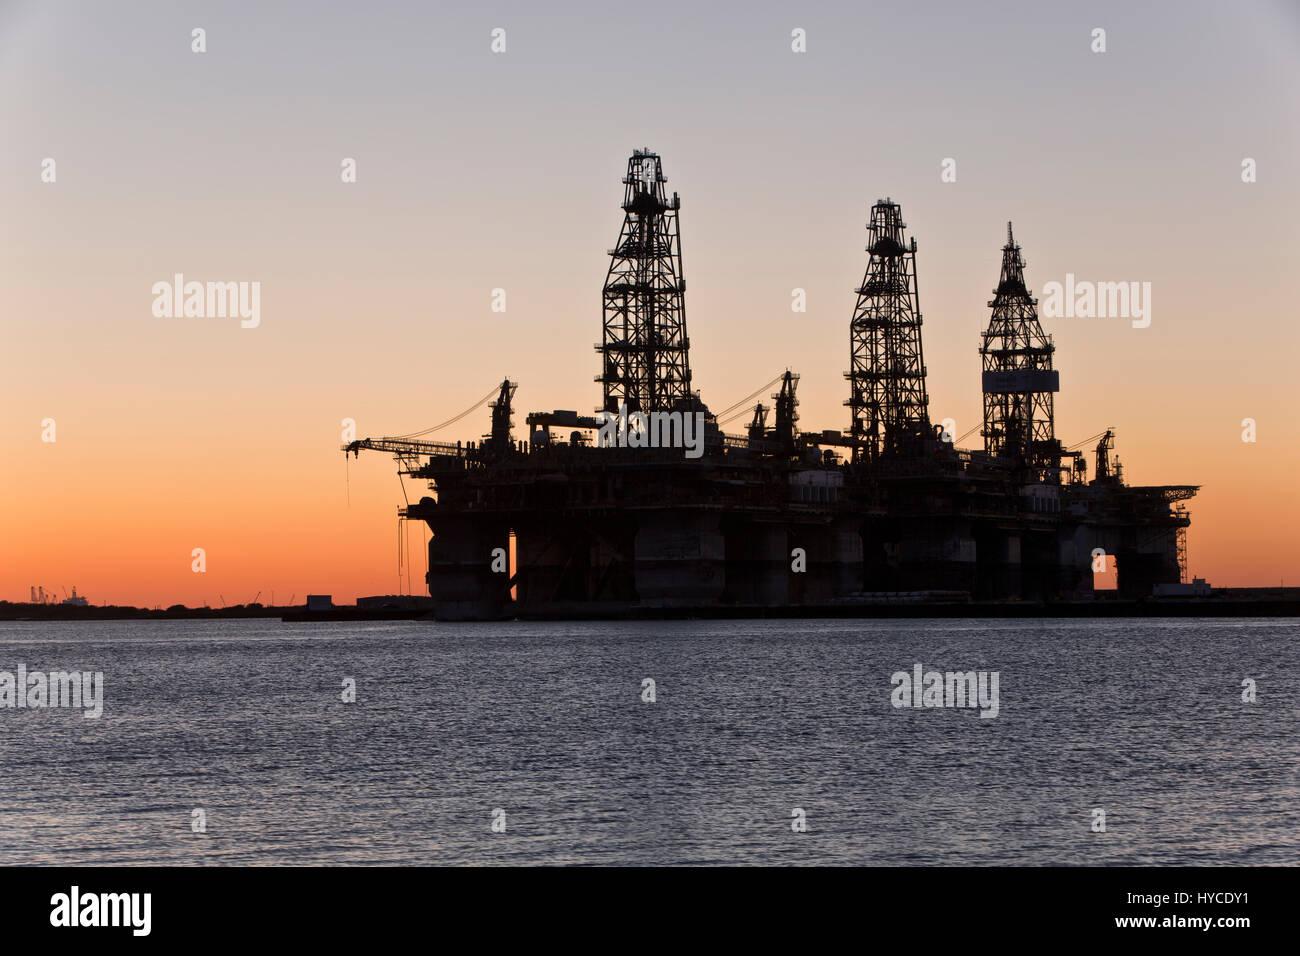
(1226, 602)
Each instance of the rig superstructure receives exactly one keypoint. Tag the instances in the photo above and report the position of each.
(577, 525)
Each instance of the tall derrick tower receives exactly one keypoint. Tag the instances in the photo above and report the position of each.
(1018, 380)
(888, 403)
(644, 351)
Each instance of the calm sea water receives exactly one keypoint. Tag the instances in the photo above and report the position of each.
(1143, 719)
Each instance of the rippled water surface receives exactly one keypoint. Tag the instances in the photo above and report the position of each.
(243, 719)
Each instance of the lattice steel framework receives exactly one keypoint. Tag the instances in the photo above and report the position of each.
(644, 351)
(1018, 380)
(888, 402)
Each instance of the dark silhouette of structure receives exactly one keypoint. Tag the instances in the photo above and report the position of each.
(778, 517)
(889, 407)
(1019, 381)
(644, 351)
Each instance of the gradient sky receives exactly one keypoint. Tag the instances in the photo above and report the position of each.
(479, 171)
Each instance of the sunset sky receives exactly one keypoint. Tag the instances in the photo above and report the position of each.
(479, 170)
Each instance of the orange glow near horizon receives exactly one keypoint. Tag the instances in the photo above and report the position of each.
(478, 173)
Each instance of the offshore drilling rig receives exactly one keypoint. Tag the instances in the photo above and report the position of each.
(613, 522)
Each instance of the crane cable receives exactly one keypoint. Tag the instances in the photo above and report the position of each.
(732, 417)
(1086, 440)
(741, 407)
(451, 421)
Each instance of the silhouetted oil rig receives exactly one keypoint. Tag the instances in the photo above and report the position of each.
(889, 511)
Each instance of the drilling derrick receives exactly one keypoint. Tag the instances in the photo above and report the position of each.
(888, 403)
(644, 351)
(1019, 380)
